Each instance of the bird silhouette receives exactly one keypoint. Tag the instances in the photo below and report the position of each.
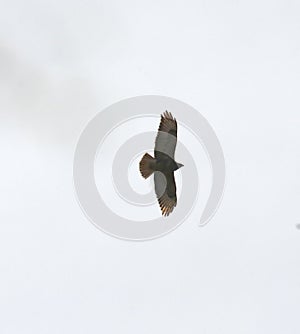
(163, 165)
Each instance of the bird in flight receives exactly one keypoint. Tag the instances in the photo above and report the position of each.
(163, 164)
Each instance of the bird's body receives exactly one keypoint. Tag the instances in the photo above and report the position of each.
(163, 164)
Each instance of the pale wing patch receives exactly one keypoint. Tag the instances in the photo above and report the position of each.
(166, 138)
(165, 143)
(163, 187)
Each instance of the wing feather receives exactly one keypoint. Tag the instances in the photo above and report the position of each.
(166, 138)
(165, 189)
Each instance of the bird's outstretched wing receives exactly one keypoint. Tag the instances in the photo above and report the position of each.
(165, 189)
(166, 138)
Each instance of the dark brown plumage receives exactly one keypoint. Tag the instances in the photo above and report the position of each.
(163, 164)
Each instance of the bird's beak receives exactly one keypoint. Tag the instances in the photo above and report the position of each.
(180, 165)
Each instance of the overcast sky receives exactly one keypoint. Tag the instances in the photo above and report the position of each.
(237, 62)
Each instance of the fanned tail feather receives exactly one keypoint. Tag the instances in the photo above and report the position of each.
(147, 165)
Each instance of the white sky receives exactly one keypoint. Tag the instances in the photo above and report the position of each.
(238, 64)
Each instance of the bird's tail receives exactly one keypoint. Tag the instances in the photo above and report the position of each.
(147, 165)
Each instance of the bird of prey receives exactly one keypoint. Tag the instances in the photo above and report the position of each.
(163, 164)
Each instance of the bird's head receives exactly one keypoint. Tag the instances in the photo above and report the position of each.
(179, 165)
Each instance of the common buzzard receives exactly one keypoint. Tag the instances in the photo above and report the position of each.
(163, 164)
